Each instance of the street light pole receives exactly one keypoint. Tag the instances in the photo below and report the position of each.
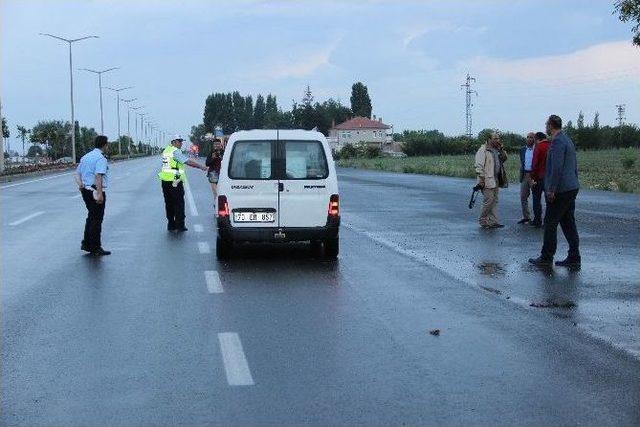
(1, 141)
(73, 123)
(100, 73)
(127, 101)
(135, 116)
(117, 91)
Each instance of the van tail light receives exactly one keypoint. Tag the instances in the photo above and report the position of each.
(223, 207)
(334, 205)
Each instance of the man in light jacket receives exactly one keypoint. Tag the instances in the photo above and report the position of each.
(488, 165)
(561, 188)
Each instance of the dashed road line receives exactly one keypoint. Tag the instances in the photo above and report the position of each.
(234, 359)
(204, 248)
(214, 286)
(198, 227)
(26, 218)
(192, 203)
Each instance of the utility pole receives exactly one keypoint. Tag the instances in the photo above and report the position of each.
(1, 141)
(73, 123)
(468, 92)
(128, 101)
(621, 110)
(100, 73)
(117, 91)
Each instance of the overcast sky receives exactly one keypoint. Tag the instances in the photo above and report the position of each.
(530, 58)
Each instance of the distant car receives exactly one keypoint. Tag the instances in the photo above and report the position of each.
(278, 186)
(64, 160)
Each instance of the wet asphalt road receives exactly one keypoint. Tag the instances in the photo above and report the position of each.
(160, 333)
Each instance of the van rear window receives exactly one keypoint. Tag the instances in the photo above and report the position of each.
(305, 160)
(251, 160)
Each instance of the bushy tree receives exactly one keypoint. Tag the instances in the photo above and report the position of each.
(23, 132)
(54, 135)
(34, 150)
(360, 100)
(348, 152)
(629, 11)
(259, 113)
(5, 128)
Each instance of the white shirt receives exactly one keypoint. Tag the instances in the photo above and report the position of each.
(528, 159)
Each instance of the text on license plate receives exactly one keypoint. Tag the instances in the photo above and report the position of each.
(254, 216)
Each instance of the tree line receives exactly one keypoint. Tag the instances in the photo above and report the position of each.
(52, 138)
(232, 112)
(585, 137)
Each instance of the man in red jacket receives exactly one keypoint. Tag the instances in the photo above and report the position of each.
(537, 175)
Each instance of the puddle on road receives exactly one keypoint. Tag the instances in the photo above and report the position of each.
(491, 269)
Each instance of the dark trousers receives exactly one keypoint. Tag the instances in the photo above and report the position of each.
(538, 191)
(95, 215)
(561, 211)
(174, 204)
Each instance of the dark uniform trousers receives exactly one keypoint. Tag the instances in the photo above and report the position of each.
(95, 215)
(174, 204)
(538, 191)
(561, 211)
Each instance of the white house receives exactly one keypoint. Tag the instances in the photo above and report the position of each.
(360, 130)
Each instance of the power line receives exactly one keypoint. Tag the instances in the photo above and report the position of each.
(469, 104)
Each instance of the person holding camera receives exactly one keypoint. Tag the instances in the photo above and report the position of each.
(489, 166)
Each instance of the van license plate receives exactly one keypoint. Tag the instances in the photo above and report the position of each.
(254, 217)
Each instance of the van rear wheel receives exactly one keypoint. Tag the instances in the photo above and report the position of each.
(223, 248)
(332, 248)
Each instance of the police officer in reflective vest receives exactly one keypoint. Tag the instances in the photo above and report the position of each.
(173, 176)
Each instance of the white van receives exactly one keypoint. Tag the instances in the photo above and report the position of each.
(278, 186)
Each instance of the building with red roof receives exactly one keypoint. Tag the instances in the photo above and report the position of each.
(360, 130)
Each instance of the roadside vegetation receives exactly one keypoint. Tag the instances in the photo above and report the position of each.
(608, 156)
(614, 169)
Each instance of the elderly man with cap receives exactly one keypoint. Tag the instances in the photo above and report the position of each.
(173, 176)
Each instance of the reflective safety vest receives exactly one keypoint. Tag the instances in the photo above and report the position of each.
(170, 168)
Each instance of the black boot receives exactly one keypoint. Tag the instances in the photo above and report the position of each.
(542, 262)
(570, 261)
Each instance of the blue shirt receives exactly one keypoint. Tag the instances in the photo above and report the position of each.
(92, 163)
(528, 159)
(180, 157)
(561, 172)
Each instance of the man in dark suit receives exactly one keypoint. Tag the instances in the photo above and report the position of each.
(526, 182)
(561, 188)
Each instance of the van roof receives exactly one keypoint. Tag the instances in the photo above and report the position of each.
(267, 134)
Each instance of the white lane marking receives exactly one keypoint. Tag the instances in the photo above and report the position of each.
(204, 248)
(235, 362)
(76, 196)
(192, 203)
(198, 227)
(214, 286)
(26, 218)
(36, 180)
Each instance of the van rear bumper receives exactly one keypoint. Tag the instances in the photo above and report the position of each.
(275, 234)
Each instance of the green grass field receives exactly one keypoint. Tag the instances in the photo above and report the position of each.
(602, 170)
